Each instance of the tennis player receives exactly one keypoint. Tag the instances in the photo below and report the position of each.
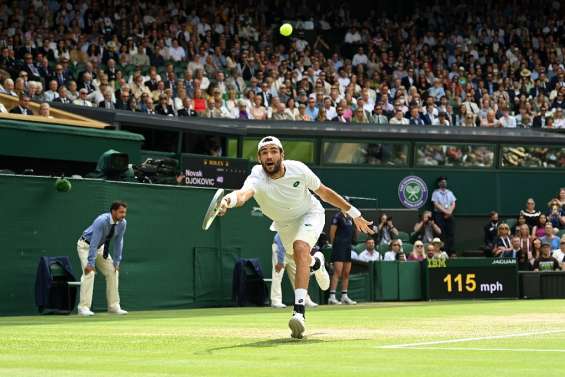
(282, 188)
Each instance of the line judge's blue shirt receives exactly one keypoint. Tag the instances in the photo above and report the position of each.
(280, 248)
(97, 233)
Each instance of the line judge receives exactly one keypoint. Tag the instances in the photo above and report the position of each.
(94, 252)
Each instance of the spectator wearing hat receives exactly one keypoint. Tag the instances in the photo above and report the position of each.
(444, 202)
(437, 249)
(546, 262)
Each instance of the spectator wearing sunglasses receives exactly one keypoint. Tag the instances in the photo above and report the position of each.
(418, 253)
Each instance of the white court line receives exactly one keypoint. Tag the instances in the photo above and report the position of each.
(485, 349)
(461, 340)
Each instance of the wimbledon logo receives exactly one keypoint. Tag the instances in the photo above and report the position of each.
(412, 192)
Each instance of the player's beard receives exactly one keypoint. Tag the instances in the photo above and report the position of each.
(273, 168)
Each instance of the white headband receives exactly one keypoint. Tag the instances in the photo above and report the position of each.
(269, 140)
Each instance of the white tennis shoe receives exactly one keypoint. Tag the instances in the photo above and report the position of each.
(296, 325)
(85, 312)
(321, 274)
(117, 310)
(347, 301)
(333, 301)
(309, 303)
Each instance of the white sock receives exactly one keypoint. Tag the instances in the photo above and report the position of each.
(300, 296)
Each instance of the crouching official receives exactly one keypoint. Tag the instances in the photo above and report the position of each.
(94, 252)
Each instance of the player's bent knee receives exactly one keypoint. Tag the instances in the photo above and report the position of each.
(301, 252)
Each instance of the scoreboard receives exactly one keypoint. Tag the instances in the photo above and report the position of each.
(472, 278)
(220, 172)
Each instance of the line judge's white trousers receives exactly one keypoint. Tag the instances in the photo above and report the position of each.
(106, 266)
(277, 277)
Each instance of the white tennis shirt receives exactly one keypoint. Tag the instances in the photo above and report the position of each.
(287, 198)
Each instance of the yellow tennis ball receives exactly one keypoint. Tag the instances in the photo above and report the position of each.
(286, 29)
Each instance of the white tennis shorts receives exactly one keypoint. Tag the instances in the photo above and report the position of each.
(306, 228)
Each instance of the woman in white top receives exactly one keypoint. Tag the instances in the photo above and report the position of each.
(232, 103)
(395, 253)
(179, 99)
(291, 109)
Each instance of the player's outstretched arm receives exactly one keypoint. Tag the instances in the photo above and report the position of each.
(330, 196)
(235, 198)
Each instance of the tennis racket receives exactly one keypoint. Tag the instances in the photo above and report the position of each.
(213, 209)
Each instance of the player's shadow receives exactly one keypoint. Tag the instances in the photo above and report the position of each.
(269, 343)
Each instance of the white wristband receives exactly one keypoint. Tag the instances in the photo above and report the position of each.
(353, 212)
(232, 202)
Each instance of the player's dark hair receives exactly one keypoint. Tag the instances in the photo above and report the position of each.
(116, 205)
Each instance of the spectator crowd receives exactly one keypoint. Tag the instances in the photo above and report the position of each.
(536, 238)
(467, 64)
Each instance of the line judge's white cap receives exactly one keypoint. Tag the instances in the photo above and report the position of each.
(268, 140)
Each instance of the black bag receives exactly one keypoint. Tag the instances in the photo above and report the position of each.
(248, 284)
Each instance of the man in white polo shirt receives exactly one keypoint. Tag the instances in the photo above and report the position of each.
(282, 190)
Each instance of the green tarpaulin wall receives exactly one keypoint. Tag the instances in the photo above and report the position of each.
(168, 260)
